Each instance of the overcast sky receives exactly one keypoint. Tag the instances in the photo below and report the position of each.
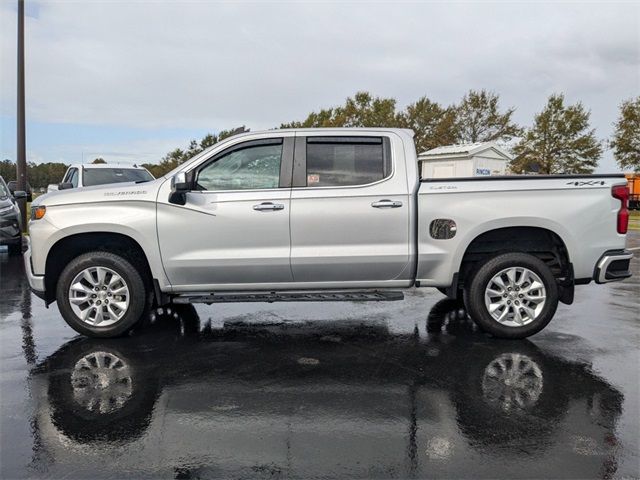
(131, 80)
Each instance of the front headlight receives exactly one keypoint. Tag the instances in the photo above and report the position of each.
(38, 212)
(6, 209)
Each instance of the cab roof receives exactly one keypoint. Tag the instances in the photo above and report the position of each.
(107, 165)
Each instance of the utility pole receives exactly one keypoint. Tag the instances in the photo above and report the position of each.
(21, 160)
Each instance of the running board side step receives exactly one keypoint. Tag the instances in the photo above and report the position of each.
(270, 297)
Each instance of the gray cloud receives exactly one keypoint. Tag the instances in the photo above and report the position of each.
(214, 65)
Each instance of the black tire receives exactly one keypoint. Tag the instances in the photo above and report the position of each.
(475, 289)
(122, 267)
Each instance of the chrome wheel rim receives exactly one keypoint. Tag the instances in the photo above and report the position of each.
(512, 381)
(101, 382)
(515, 296)
(99, 296)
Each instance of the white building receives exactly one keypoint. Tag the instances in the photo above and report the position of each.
(464, 160)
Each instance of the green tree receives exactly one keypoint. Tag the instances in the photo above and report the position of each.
(363, 110)
(432, 124)
(323, 118)
(209, 140)
(7, 170)
(224, 134)
(38, 175)
(42, 174)
(170, 161)
(560, 141)
(626, 137)
(155, 169)
(99, 161)
(479, 119)
(178, 156)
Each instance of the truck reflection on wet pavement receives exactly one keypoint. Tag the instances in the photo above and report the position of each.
(317, 390)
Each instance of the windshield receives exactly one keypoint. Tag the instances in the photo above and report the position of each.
(3, 190)
(103, 176)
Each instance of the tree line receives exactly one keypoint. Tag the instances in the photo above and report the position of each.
(178, 156)
(39, 175)
(559, 140)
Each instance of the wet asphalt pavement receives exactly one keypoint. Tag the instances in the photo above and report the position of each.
(379, 390)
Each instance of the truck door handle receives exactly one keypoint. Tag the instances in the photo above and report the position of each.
(387, 204)
(267, 206)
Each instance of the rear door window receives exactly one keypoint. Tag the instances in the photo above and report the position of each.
(346, 161)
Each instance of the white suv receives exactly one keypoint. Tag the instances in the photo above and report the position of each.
(82, 175)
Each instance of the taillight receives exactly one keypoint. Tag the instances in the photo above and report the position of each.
(621, 192)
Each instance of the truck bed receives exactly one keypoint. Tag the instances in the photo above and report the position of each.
(579, 209)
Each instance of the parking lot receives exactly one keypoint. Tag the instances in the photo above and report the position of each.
(377, 390)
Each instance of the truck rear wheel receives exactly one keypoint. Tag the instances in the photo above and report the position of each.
(101, 294)
(513, 295)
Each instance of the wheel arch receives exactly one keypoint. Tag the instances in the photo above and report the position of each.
(544, 243)
(67, 248)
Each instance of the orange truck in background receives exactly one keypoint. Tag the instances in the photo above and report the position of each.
(633, 180)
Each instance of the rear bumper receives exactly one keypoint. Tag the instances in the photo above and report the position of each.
(36, 282)
(613, 266)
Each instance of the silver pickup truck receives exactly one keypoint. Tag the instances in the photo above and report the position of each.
(325, 214)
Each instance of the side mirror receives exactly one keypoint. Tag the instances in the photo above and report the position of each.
(180, 185)
(19, 194)
(65, 186)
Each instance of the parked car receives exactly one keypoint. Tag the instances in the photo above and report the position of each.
(13, 184)
(10, 223)
(326, 214)
(81, 175)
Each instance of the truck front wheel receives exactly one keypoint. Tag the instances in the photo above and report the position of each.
(100, 294)
(513, 295)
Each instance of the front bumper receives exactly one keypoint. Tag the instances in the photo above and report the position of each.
(10, 232)
(36, 282)
(613, 266)
(10, 240)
